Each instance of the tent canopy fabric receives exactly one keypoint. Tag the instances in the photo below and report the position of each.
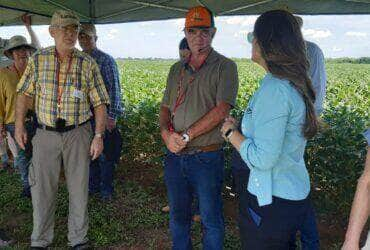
(120, 11)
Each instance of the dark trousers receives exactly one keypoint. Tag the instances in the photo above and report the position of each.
(201, 174)
(308, 230)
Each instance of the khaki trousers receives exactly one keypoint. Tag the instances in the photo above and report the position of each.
(51, 150)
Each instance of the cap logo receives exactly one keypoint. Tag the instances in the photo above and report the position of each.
(197, 16)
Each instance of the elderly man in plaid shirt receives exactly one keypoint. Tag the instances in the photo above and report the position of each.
(101, 170)
(63, 83)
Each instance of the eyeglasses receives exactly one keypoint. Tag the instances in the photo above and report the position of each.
(204, 32)
(250, 37)
(69, 28)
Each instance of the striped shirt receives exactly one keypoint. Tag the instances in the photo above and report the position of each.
(82, 86)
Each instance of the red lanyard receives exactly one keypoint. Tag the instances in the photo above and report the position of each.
(61, 86)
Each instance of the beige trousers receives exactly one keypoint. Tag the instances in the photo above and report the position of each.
(51, 150)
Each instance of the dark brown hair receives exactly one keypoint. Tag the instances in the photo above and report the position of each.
(282, 47)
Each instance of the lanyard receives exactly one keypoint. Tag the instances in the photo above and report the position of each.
(61, 86)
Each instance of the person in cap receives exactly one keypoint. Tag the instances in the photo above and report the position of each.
(18, 50)
(184, 55)
(63, 83)
(360, 210)
(272, 182)
(4, 60)
(198, 96)
(309, 235)
(102, 169)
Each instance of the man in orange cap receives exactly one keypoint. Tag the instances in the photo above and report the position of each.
(198, 97)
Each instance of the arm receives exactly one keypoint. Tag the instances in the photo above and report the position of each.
(227, 90)
(23, 102)
(318, 75)
(111, 78)
(360, 209)
(26, 18)
(270, 118)
(97, 145)
(26, 92)
(210, 120)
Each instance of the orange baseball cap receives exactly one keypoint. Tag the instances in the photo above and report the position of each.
(200, 17)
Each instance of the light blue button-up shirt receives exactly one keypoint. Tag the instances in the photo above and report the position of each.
(274, 144)
(317, 73)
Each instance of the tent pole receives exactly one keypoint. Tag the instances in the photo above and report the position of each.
(245, 7)
(92, 11)
(159, 6)
(127, 11)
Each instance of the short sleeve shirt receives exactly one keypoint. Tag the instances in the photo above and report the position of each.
(83, 87)
(216, 81)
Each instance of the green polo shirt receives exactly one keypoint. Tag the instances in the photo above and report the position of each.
(216, 81)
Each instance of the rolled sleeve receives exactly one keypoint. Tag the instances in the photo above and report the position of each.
(97, 91)
(270, 117)
(26, 84)
(227, 88)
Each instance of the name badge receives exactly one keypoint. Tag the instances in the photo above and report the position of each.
(78, 94)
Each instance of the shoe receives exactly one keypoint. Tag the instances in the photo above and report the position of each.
(166, 209)
(38, 248)
(83, 246)
(26, 193)
(4, 240)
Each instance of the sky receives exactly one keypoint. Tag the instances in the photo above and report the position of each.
(338, 36)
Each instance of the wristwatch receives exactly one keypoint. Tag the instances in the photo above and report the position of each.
(185, 137)
(228, 133)
(99, 135)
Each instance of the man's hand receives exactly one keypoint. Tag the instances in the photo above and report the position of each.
(96, 147)
(111, 124)
(21, 135)
(175, 142)
(26, 19)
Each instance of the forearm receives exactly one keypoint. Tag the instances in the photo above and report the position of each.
(100, 118)
(236, 139)
(164, 118)
(361, 206)
(23, 102)
(34, 39)
(209, 121)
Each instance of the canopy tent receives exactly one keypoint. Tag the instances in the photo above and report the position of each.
(120, 11)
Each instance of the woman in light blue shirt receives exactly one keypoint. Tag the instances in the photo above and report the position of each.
(274, 183)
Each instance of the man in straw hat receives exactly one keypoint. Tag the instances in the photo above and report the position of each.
(5, 61)
(64, 83)
(198, 97)
(18, 50)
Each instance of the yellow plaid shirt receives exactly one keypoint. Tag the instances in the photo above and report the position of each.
(83, 88)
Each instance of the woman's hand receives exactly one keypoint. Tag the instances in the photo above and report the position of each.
(230, 123)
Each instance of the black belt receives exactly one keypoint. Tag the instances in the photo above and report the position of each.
(61, 130)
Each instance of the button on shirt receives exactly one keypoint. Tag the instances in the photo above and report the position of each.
(274, 144)
(317, 74)
(83, 86)
(109, 72)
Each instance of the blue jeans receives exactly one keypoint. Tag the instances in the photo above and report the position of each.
(309, 234)
(22, 161)
(101, 176)
(202, 174)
